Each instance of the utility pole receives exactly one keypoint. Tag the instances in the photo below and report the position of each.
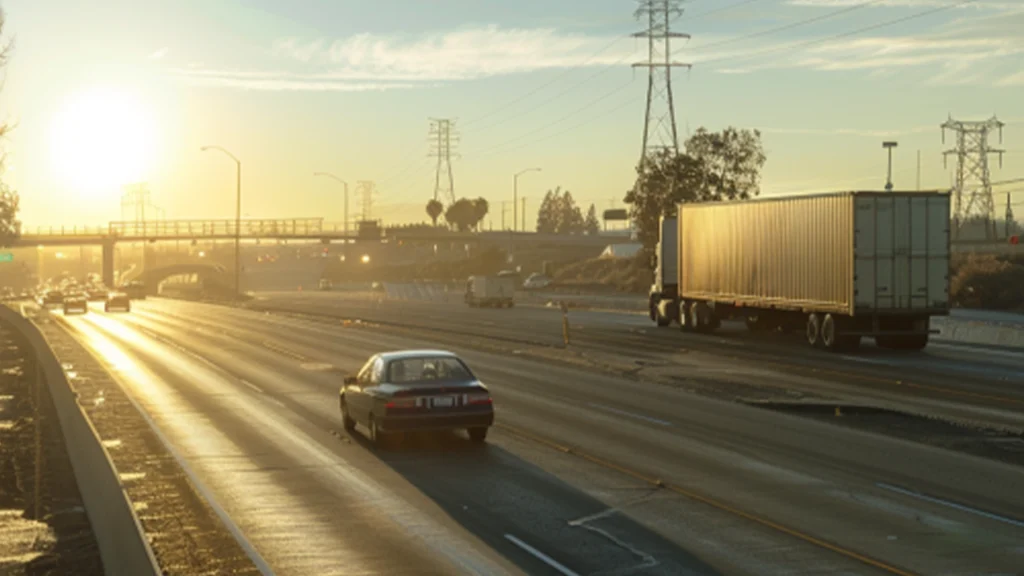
(888, 178)
(515, 199)
(918, 170)
(660, 117)
(443, 140)
(1008, 224)
(973, 178)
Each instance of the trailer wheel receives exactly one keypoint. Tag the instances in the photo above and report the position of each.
(701, 318)
(813, 330)
(831, 338)
(915, 342)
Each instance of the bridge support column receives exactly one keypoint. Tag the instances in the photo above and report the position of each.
(108, 264)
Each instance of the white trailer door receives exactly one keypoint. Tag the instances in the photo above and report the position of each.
(902, 251)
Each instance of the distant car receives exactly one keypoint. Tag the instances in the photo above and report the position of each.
(405, 391)
(51, 299)
(536, 282)
(135, 290)
(324, 284)
(97, 293)
(76, 302)
(377, 287)
(117, 301)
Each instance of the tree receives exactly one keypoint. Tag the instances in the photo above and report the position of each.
(480, 209)
(559, 214)
(714, 167)
(546, 214)
(592, 226)
(434, 210)
(10, 226)
(465, 214)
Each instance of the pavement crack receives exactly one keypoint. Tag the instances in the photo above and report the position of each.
(645, 560)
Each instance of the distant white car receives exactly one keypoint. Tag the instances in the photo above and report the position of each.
(325, 284)
(536, 281)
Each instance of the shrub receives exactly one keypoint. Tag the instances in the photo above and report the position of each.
(989, 282)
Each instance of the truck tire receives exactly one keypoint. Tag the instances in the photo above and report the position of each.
(915, 342)
(832, 337)
(661, 319)
(813, 330)
(702, 318)
(652, 308)
(684, 316)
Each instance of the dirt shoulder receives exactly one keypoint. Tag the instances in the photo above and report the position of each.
(185, 533)
(43, 526)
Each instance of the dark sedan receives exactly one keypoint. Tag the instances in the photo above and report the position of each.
(51, 299)
(413, 390)
(76, 302)
(117, 301)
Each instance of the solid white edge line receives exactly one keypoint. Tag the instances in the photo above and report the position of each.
(953, 505)
(540, 555)
(630, 414)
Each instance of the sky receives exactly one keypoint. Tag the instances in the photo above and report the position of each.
(109, 92)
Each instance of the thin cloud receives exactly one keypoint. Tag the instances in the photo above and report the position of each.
(1012, 80)
(864, 132)
(158, 54)
(386, 62)
(979, 4)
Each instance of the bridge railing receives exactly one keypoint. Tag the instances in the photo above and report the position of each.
(65, 231)
(188, 229)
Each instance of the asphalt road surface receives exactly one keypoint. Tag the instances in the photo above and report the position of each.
(586, 473)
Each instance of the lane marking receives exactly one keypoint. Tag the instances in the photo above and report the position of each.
(271, 346)
(276, 401)
(254, 387)
(954, 505)
(657, 482)
(540, 556)
(630, 414)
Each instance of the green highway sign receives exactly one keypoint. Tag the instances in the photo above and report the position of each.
(6, 257)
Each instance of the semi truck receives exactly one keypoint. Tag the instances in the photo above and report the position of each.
(491, 291)
(840, 267)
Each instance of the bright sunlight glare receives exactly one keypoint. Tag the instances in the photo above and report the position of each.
(101, 139)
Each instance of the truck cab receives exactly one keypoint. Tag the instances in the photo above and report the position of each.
(663, 296)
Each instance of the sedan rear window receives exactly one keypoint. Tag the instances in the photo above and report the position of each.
(427, 370)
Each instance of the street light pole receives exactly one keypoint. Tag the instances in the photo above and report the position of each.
(888, 178)
(515, 198)
(238, 216)
(332, 176)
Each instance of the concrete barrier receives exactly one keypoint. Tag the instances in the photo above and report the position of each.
(122, 543)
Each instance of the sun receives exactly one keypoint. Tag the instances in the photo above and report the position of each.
(101, 139)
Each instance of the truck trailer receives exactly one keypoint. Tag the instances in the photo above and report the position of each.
(490, 291)
(839, 266)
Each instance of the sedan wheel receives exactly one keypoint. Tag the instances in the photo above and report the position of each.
(346, 419)
(477, 435)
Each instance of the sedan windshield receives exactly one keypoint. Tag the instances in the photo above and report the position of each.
(427, 369)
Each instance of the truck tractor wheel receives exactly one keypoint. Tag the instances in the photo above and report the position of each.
(849, 342)
(661, 319)
(813, 330)
(652, 308)
(701, 318)
(684, 317)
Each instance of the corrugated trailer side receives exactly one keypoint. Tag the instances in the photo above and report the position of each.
(788, 253)
(840, 266)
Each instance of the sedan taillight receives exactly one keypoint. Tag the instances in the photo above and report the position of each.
(408, 402)
(478, 398)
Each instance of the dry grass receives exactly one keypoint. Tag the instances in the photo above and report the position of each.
(987, 282)
(631, 275)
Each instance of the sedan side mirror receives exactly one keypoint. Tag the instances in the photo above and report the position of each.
(350, 380)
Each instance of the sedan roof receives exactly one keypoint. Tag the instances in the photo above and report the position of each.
(406, 354)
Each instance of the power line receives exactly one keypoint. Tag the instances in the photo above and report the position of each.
(791, 25)
(585, 107)
(842, 35)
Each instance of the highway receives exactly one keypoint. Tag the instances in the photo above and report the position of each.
(588, 471)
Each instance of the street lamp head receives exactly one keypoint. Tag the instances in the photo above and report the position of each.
(889, 144)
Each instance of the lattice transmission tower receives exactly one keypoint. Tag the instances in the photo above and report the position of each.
(366, 190)
(972, 185)
(660, 118)
(443, 140)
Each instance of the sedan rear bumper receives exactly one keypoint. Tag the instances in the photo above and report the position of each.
(447, 421)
